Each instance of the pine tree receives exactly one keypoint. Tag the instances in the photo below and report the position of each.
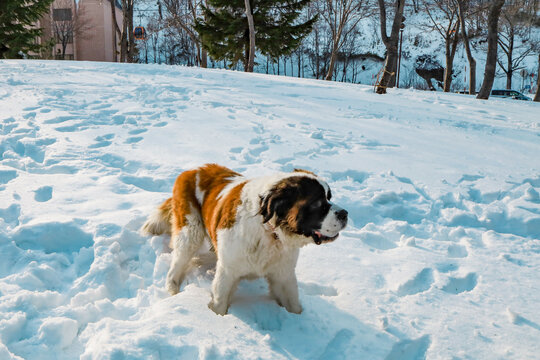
(224, 28)
(18, 33)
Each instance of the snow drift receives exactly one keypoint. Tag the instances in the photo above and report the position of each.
(440, 260)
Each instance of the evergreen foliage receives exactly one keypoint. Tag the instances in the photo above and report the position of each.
(18, 33)
(224, 28)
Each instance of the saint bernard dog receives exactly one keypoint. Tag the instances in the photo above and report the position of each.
(256, 228)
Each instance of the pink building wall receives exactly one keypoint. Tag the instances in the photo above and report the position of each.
(94, 39)
(96, 44)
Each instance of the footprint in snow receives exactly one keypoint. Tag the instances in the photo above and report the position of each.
(133, 140)
(337, 345)
(314, 289)
(459, 285)
(43, 194)
(471, 178)
(102, 141)
(11, 214)
(420, 283)
(410, 349)
(457, 251)
(137, 131)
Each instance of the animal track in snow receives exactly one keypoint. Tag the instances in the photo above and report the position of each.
(147, 183)
(133, 139)
(316, 289)
(11, 214)
(410, 349)
(43, 194)
(7, 175)
(376, 240)
(337, 345)
(457, 251)
(420, 283)
(459, 285)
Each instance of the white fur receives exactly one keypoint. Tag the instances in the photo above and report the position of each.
(199, 194)
(331, 225)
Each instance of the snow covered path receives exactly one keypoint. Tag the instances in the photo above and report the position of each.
(441, 258)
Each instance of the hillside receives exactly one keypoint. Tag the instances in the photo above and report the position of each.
(440, 259)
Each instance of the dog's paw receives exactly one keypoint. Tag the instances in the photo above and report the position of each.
(295, 309)
(218, 309)
(172, 287)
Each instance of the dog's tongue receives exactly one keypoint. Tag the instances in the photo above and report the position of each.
(318, 240)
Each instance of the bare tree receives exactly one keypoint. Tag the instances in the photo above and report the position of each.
(153, 38)
(391, 44)
(491, 58)
(251, 25)
(514, 36)
(68, 23)
(318, 45)
(341, 16)
(537, 95)
(446, 22)
(127, 39)
(463, 8)
(116, 29)
(181, 14)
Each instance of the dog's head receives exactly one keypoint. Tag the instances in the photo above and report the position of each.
(300, 205)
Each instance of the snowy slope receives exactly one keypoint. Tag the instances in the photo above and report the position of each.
(441, 258)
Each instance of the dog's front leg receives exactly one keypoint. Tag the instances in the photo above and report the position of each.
(284, 289)
(223, 286)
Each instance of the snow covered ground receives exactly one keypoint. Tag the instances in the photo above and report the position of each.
(441, 259)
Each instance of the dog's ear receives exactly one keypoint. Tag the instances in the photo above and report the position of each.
(278, 202)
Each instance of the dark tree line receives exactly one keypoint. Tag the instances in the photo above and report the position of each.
(315, 38)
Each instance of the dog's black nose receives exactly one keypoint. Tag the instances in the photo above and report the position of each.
(342, 215)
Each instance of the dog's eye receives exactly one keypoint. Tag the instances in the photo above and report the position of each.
(317, 204)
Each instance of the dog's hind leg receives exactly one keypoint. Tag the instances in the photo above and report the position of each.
(159, 222)
(185, 243)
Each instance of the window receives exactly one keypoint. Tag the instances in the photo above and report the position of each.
(62, 14)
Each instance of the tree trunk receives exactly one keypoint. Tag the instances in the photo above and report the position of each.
(470, 58)
(131, 36)
(251, 26)
(204, 59)
(391, 44)
(491, 59)
(333, 57)
(537, 95)
(115, 29)
(335, 48)
(299, 63)
(448, 73)
(123, 38)
(451, 47)
(509, 75)
(509, 57)
(388, 76)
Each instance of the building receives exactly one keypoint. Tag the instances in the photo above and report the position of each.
(82, 30)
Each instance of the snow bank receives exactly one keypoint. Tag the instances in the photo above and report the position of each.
(440, 259)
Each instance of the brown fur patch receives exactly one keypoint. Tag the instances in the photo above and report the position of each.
(304, 171)
(182, 200)
(227, 211)
(292, 215)
(210, 179)
(213, 179)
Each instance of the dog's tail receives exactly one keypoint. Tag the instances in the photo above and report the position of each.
(159, 222)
